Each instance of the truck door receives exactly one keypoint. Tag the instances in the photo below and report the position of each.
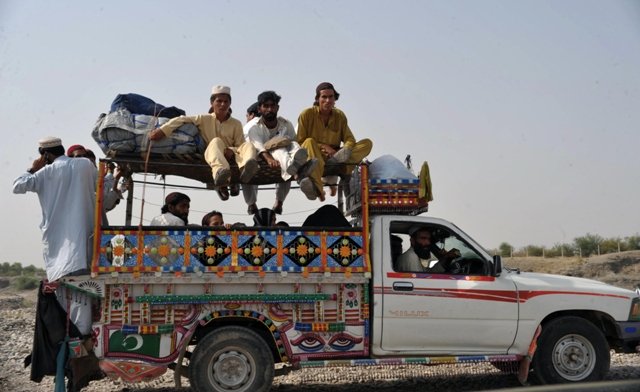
(464, 310)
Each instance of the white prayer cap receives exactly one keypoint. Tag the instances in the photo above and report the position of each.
(49, 142)
(221, 90)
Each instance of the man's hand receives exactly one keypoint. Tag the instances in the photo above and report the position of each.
(229, 154)
(269, 159)
(156, 134)
(326, 150)
(453, 253)
(38, 164)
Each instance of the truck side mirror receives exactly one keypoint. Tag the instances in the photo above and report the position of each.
(497, 265)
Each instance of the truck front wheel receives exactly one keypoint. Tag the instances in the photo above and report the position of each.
(231, 359)
(571, 349)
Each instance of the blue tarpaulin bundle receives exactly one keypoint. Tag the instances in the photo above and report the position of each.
(132, 117)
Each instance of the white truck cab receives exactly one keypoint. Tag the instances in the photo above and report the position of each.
(479, 307)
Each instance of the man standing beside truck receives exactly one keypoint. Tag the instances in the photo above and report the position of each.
(66, 191)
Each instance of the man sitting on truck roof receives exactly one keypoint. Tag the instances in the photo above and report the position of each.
(224, 138)
(175, 211)
(275, 140)
(252, 111)
(323, 130)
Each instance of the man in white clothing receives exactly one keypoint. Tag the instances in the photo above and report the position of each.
(419, 257)
(274, 139)
(175, 211)
(66, 190)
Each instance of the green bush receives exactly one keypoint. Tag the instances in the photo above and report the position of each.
(505, 249)
(26, 282)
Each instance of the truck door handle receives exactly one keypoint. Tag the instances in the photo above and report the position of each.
(403, 286)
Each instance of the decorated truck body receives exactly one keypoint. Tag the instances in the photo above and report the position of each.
(221, 307)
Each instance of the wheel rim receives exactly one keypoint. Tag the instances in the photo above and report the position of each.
(232, 369)
(574, 357)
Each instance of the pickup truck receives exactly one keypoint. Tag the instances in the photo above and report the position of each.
(222, 307)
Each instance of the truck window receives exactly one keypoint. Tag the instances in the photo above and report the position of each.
(443, 251)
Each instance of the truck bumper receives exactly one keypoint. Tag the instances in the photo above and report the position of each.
(629, 335)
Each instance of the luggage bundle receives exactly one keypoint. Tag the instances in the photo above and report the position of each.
(124, 129)
(392, 189)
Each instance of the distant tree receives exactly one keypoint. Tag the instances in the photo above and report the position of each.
(26, 283)
(505, 249)
(537, 251)
(612, 245)
(588, 244)
(633, 242)
(564, 250)
(15, 269)
(30, 270)
(4, 268)
(521, 252)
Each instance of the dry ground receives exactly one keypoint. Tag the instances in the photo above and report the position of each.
(618, 269)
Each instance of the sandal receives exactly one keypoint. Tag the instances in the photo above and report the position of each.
(234, 189)
(277, 207)
(223, 192)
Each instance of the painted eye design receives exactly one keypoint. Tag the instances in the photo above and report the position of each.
(309, 342)
(343, 342)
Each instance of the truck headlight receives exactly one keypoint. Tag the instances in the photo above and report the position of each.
(634, 314)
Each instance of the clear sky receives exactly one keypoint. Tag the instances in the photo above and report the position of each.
(528, 112)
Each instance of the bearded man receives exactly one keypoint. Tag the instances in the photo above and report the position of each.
(175, 211)
(419, 257)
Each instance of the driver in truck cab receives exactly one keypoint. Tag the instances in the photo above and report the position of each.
(420, 257)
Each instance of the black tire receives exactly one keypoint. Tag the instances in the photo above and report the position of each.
(231, 359)
(571, 349)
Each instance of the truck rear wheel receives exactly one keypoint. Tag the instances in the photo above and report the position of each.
(231, 359)
(571, 349)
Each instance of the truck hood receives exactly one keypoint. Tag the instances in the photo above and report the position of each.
(531, 281)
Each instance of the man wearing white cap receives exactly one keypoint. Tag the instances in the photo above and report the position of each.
(224, 138)
(66, 190)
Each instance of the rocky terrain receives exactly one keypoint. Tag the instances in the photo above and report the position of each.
(17, 321)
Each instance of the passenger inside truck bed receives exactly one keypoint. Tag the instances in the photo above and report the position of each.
(175, 211)
(215, 219)
(326, 216)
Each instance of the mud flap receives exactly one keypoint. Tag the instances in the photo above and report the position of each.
(523, 372)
